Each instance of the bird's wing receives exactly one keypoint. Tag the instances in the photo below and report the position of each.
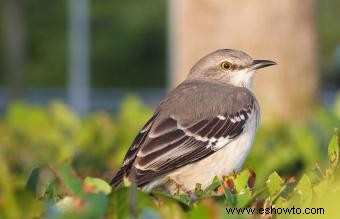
(167, 143)
(132, 152)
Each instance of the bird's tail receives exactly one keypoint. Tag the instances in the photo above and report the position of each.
(118, 178)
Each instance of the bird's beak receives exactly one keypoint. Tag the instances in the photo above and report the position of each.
(257, 64)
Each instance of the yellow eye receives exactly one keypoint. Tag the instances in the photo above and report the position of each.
(226, 66)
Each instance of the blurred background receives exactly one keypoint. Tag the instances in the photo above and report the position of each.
(90, 54)
(78, 78)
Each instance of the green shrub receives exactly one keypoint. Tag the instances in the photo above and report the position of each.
(38, 147)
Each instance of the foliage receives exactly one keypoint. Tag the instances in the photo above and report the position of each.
(54, 164)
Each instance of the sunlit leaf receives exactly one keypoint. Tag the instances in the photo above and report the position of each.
(274, 184)
(97, 185)
(241, 180)
(322, 188)
(304, 189)
(243, 198)
(281, 202)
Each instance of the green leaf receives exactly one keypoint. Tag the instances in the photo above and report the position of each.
(241, 185)
(70, 180)
(97, 185)
(171, 209)
(30, 206)
(181, 198)
(97, 204)
(281, 202)
(304, 189)
(198, 190)
(241, 181)
(322, 188)
(230, 198)
(334, 148)
(51, 192)
(39, 180)
(199, 212)
(214, 185)
(8, 206)
(120, 202)
(243, 198)
(274, 184)
(32, 183)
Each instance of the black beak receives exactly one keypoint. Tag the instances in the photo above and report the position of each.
(257, 64)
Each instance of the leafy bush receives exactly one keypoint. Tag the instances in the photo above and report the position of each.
(48, 154)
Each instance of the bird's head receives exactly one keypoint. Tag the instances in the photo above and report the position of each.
(228, 66)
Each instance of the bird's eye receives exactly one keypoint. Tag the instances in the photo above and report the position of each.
(226, 66)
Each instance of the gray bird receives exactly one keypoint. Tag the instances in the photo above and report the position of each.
(204, 128)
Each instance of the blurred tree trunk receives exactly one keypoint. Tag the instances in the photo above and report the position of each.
(14, 46)
(283, 31)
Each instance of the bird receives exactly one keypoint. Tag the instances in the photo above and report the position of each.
(203, 128)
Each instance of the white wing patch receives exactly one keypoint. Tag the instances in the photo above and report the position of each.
(221, 117)
(188, 133)
(221, 142)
